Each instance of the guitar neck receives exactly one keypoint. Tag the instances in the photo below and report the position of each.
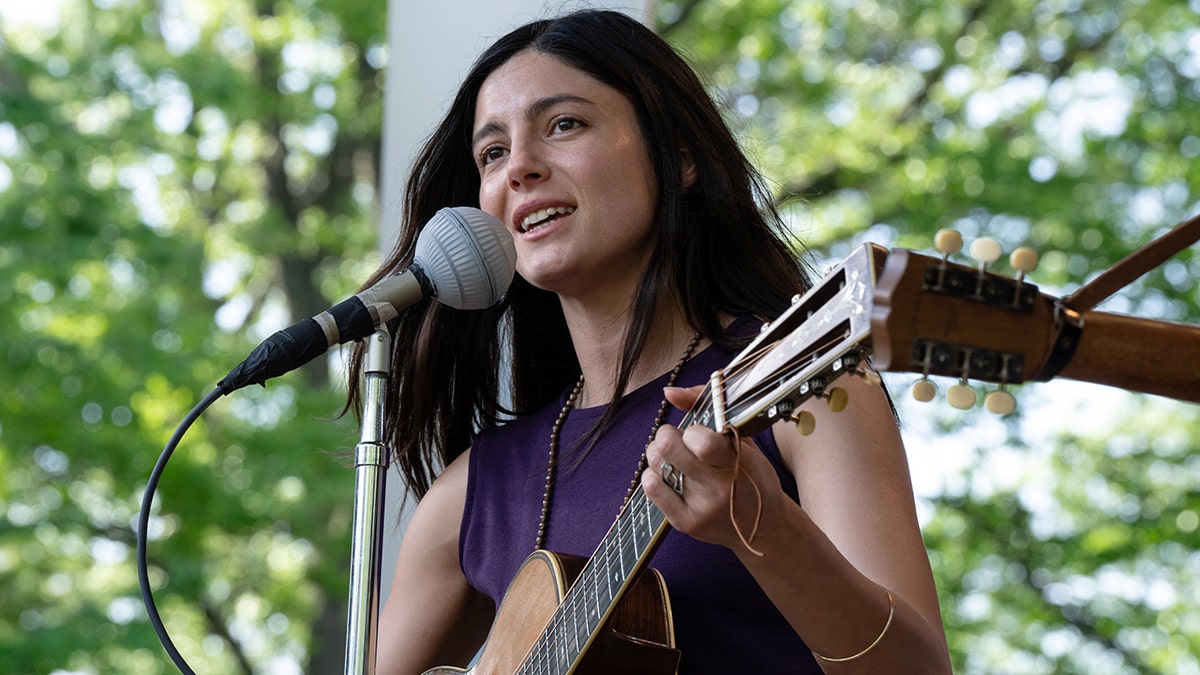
(1141, 355)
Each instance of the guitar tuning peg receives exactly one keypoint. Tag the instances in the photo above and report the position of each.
(947, 242)
(1000, 401)
(805, 422)
(961, 396)
(923, 390)
(986, 251)
(1024, 260)
(837, 398)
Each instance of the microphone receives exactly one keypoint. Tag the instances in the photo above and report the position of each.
(464, 258)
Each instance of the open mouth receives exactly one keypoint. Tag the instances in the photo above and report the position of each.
(544, 217)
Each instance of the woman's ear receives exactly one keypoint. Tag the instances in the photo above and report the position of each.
(688, 166)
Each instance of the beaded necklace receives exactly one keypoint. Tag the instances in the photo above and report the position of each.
(552, 462)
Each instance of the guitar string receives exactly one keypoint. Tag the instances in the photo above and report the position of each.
(575, 599)
(577, 603)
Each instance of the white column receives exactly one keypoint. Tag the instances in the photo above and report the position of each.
(431, 45)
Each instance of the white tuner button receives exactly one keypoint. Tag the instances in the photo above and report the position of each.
(947, 241)
(1000, 402)
(986, 251)
(961, 396)
(1023, 260)
(923, 390)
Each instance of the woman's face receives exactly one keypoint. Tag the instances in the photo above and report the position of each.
(563, 165)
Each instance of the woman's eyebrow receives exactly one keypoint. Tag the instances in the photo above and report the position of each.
(542, 104)
(485, 131)
(532, 112)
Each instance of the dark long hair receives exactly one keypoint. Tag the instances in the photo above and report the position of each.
(720, 247)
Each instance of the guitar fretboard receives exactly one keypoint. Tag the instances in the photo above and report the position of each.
(612, 569)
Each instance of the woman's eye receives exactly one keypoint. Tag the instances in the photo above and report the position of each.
(566, 124)
(491, 154)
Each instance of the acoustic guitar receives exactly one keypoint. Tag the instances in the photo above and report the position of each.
(906, 311)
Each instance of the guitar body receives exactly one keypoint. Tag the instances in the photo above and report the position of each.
(638, 638)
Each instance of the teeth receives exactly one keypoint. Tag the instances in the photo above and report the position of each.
(533, 220)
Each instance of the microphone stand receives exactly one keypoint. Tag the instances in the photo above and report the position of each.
(370, 473)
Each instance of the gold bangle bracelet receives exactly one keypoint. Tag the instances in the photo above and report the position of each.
(886, 626)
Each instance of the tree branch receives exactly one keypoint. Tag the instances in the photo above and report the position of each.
(217, 625)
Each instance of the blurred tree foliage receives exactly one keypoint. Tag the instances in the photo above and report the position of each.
(178, 179)
(1064, 538)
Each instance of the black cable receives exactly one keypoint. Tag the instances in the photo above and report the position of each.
(144, 523)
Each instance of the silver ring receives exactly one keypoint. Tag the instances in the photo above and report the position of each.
(671, 477)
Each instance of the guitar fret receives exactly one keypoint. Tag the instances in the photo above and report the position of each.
(639, 522)
(617, 551)
(544, 655)
(649, 512)
(595, 604)
(628, 557)
(608, 576)
(621, 556)
(563, 659)
(589, 591)
(575, 635)
(551, 647)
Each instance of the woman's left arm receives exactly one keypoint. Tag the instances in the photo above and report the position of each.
(847, 565)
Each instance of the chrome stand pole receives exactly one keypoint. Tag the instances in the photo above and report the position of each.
(370, 473)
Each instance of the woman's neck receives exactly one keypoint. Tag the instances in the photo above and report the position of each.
(599, 341)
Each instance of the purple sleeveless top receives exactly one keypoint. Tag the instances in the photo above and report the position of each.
(724, 623)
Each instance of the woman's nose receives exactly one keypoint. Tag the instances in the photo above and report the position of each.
(526, 166)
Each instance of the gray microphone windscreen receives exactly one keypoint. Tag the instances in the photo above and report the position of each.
(467, 256)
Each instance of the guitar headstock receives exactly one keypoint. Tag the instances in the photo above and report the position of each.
(824, 335)
(924, 314)
(908, 312)
(936, 317)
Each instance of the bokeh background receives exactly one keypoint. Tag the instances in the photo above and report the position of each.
(178, 179)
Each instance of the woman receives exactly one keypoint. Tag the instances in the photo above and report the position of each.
(644, 262)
